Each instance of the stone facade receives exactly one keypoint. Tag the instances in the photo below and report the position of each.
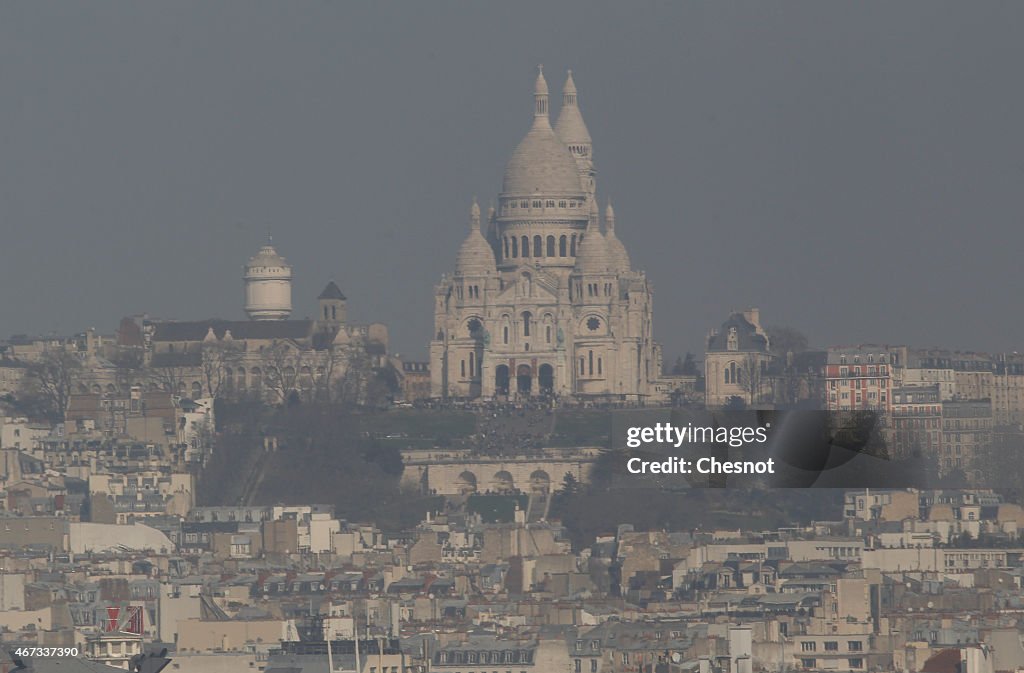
(542, 301)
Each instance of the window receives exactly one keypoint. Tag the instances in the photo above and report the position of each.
(526, 323)
(856, 662)
(593, 666)
(831, 646)
(809, 663)
(578, 666)
(593, 324)
(551, 246)
(808, 646)
(855, 646)
(562, 246)
(525, 246)
(538, 245)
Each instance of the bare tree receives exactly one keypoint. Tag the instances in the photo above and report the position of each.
(50, 381)
(751, 376)
(283, 363)
(350, 385)
(171, 377)
(129, 366)
(218, 360)
(785, 340)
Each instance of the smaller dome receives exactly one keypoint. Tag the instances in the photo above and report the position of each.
(592, 255)
(476, 257)
(619, 256)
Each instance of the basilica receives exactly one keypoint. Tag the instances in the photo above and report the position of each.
(543, 300)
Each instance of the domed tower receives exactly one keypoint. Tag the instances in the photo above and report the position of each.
(620, 258)
(571, 129)
(594, 271)
(542, 208)
(475, 258)
(268, 285)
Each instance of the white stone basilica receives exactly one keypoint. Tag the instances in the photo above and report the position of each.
(542, 300)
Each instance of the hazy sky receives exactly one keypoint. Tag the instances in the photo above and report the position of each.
(855, 170)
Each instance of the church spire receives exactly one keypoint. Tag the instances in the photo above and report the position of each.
(569, 91)
(572, 130)
(474, 215)
(540, 96)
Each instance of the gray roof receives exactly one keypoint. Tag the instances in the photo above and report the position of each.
(746, 333)
(196, 330)
(332, 291)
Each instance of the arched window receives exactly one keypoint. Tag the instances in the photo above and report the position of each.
(526, 323)
(334, 313)
(325, 313)
(551, 246)
(538, 246)
(572, 246)
(600, 371)
(562, 246)
(728, 379)
(582, 368)
(524, 245)
(505, 242)
(505, 330)
(590, 358)
(515, 247)
(547, 333)
(462, 368)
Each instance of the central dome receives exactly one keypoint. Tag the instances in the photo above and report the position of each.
(541, 164)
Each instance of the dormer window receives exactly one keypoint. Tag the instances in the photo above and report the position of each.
(733, 341)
